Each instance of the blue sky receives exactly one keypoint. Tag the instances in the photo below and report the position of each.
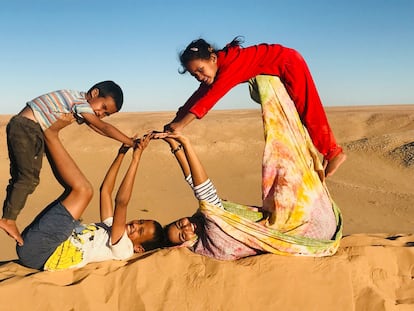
(360, 52)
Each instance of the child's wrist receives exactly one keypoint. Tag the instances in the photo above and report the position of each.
(176, 149)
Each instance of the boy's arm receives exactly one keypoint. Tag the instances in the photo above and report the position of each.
(125, 190)
(107, 187)
(96, 129)
(106, 129)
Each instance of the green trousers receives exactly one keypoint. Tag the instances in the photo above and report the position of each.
(25, 143)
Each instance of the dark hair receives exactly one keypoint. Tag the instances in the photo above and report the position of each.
(167, 242)
(201, 49)
(157, 241)
(110, 88)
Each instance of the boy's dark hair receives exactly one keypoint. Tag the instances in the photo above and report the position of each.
(158, 239)
(110, 88)
(201, 49)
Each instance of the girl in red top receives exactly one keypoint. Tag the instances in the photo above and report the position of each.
(218, 71)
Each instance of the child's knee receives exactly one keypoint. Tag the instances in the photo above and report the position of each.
(87, 189)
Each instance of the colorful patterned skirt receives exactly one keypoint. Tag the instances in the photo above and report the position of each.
(302, 219)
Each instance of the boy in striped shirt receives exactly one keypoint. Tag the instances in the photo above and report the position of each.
(25, 139)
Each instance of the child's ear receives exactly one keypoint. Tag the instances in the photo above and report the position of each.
(138, 248)
(95, 93)
(213, 57)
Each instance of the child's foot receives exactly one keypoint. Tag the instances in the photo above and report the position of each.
(9, 226)
(333, 164)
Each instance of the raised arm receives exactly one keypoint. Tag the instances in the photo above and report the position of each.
(106, 129)
(107, 187)
(187, 158)
(125, 190)
(178, 151)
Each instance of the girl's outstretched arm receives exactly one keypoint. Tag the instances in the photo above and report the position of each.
(178, 151)
(189, 162)
(179, 123)
(125, 190)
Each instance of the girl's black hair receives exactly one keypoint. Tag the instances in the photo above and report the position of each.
(201, 49)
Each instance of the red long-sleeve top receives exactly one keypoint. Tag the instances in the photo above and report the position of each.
(237, 65)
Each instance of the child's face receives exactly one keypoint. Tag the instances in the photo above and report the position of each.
(181, 231)
(102, 106)
(204, 70)
(140, 231)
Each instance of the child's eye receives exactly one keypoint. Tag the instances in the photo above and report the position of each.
(182, 238)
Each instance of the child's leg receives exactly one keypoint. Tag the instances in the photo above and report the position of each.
(301, 88)
(41, 238)
(81, 190)
(10, 227)
(26, 147)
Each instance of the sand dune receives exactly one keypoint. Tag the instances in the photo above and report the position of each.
(368, 273)
(373, 269)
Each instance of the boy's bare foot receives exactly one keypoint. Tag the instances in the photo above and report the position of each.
(333, 164)
(9, 226)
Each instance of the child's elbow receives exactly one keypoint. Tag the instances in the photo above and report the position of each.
(121, 201)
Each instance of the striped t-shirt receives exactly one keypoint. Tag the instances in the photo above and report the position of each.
(47, 108)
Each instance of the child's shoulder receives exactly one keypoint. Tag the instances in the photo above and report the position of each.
(65, 94)
(73, 92)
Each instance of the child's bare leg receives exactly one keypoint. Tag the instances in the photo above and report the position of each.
(333, 164)
(9, 226)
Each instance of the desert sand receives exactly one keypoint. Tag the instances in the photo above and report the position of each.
(372, 270)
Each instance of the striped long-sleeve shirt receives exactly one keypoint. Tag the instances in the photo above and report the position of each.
(48, 108)
(205, 191)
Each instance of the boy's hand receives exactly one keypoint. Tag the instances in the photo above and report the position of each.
(124, 148)
(64, 120)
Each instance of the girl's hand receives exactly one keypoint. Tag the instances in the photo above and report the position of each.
(123, 149)
(166, 136)
(178, 136)
(142, 143)
(173, 127)
(159, 135)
